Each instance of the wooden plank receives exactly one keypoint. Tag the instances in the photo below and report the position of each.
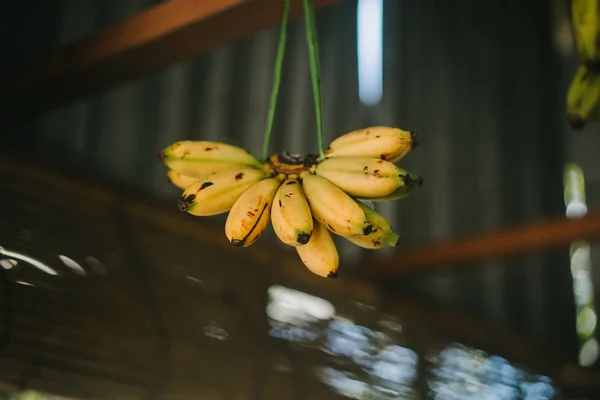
(64, 335)
(538, 236)
(171, 32)
(133, 205)
(96, 202)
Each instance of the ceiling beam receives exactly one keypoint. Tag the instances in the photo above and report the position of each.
(534, 237)
(171, 32)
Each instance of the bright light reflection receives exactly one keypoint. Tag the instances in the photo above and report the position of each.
(589, 352)
(36, 263)
(581, 267)
(291, 306)
(586, 321)
(576, 209)
(74, 265)
(465, 373)
(382, 370)
(583, 287)
(396, 364)
(346, 339)
(24, 283)
(8, 263)
(369, 18)
(343, 383)
(214, 331)
(580, 257)
(365, 363)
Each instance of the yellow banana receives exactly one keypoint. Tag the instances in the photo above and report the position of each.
(320, 255)
(251, 213)
(334, 208)
(583, 98)
(390, 144)
(363, 176)
(217, 193)
(585, 19)
(382, 234)
(200, 158)
(180, 180)
(290, 215)
(415, 181)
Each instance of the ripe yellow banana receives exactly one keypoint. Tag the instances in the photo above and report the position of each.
(180, 180)
(217, 193)
(382, 234)
(334, 208)
(251, 213)
(320, 254)
(363, 176)
(585, 19)
(200, 158)
(583, 99)
(390, 144)
(290, 215)
(415, 181)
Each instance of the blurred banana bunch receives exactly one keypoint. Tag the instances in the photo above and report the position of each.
(583, 106)
(306, 199)
(582, 100)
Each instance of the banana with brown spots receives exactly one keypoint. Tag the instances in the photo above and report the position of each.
(217, 193)
(251, 213)
(334, 208)
(198, 159)
(382, 234)
(320, 255)
(414, 182)
(290, 215)
(388, 143)
(363, 176)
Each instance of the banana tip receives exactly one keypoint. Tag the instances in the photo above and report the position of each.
(237, 243)
(182, 205)
(161, 156)
(303, 238)
(367, 229)
(413, 139)
(332, 275)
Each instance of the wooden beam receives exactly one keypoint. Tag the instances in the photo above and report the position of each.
(171, 32)
(539, 236)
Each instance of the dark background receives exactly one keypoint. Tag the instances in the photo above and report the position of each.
(482, 83)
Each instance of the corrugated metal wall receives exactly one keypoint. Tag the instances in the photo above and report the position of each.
(478, 81)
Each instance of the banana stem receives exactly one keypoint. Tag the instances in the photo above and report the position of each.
(276, 79)
(315, 69)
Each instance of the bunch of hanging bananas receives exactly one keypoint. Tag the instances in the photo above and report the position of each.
(583, 105)
(305, 198)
